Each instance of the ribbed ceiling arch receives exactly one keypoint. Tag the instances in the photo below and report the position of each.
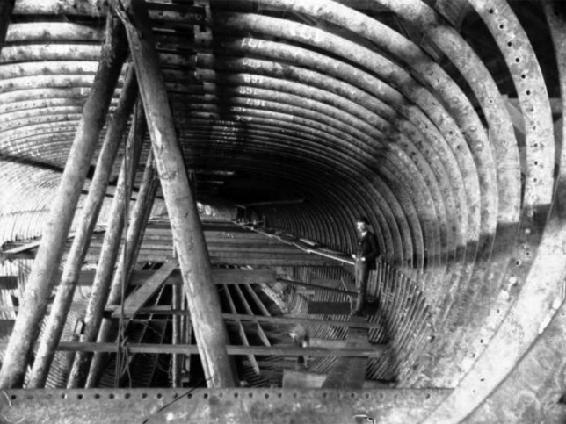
(387, 109)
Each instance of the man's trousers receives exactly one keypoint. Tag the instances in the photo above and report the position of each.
(361, 274)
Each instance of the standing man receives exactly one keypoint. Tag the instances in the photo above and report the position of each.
(366, 256)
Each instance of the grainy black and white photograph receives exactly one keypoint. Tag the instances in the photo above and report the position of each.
(282, 212)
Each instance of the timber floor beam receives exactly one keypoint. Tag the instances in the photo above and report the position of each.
(304, 319)
(233, 350)
(166, 310)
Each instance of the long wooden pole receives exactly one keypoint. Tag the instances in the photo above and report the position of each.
(62, 211)
(95, 198)
(176, 299)
(110, 248)
(188, 238)
(134, 235)
(233, 350)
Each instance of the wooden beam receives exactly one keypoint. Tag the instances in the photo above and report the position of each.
(220, 276)
(139, 297)
(63, 206)
(166, 310)
(336, 344)
(81, 241)
(176, 299)
(204, 303)
(243, 276)
(318, 284)
(276, 350)
(308, 248)
(138, 221)
(14, 252)
(110, 248)
(25, 248)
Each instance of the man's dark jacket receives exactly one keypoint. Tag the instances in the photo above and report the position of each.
(367, 247)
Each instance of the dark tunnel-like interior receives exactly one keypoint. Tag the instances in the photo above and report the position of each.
(438, 120)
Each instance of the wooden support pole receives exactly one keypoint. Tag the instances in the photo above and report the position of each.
(204, 303)
(95, 198)
(110, 248)
(62, 211)
(187, 338)
(176, 299)
(134, 236)
(136, 229)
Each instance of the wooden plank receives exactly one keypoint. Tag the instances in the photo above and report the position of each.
(177, 299)
(325, 282)
(297, 319)
(219, 276)
(163, 255)
(243, 276)
(187, 338)
(270, 262)
(139, 297)
(233, 350)
(315, 285)
(336, 344)
(166, 310)
(241, 254)
(293, 240)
